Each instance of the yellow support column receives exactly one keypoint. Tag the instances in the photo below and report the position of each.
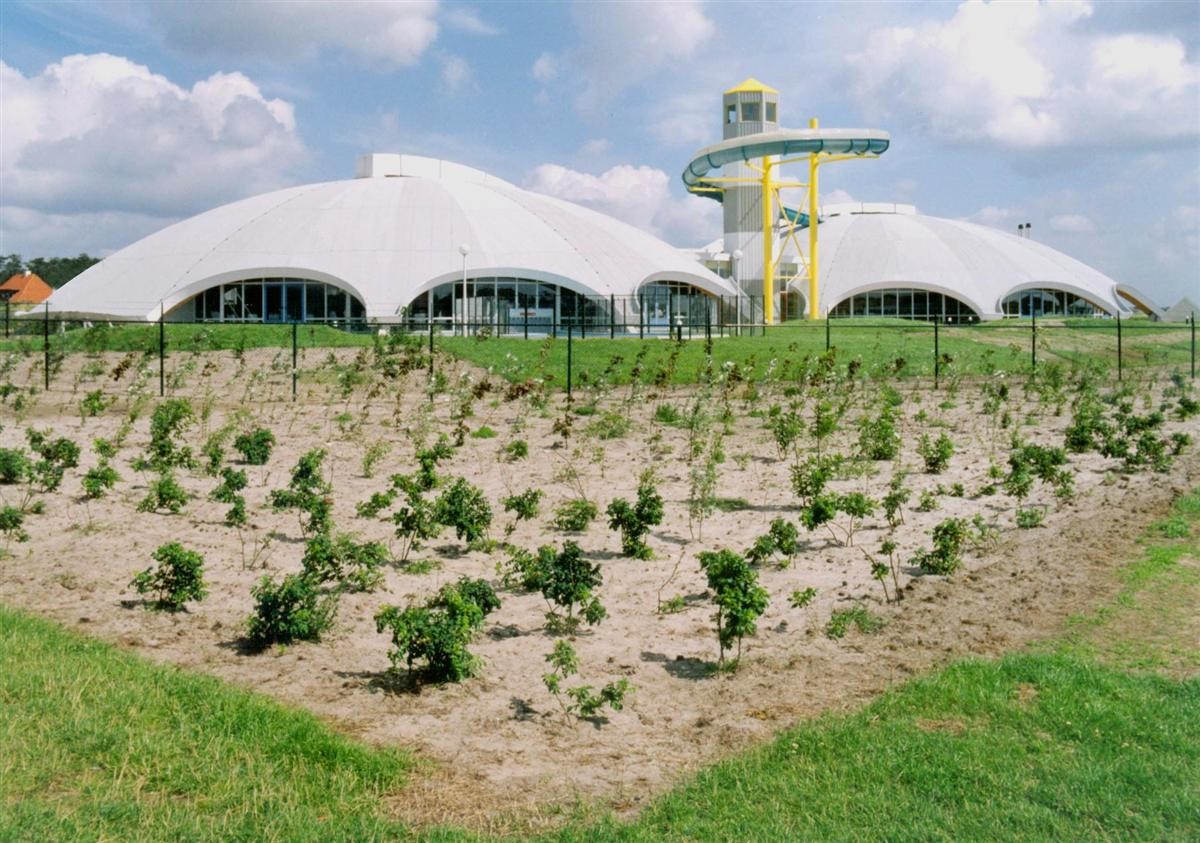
(813, 309)
(768, 238)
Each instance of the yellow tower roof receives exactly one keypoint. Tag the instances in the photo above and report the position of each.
(749, 85)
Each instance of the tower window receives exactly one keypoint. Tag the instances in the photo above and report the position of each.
(731, 114)
(770, 107)
(751, 112)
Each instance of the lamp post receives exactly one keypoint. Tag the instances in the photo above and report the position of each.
(735, 258)
(464, 250)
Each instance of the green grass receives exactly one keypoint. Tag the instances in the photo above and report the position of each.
(96, 744)
(1073, 740)
(132, 336)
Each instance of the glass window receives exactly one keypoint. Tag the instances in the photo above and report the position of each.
(294, 301)
(209, 306)
(357, 311)
(751, 112)
(731, 114)
(231, 302)
(443, 302)
(770, 108)
(274, 306)
(335, 303)
(252, 292)
(314, 304)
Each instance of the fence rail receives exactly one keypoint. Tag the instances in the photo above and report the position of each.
(576, 349)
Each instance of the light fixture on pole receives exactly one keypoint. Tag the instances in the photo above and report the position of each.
(464, 250)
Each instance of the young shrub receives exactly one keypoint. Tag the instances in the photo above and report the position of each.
(782, 538)
(92, 404)
(878, 438)
(165, 493)
(428, 459)
(14, 466)
(858, 617)
(292, 609)
(740, 599)
(802, 598)
(168, 422)
(352, 565)
(574, 516)
(255, 446)
(893, 502)
(97, 481)
(936, 453)
(524, 504)
(518, 449)
(856, 506)
(438, 632)
(927, 502)
(568, 581)
(1030, 517)
(416, 521)
(634, 522)
(227, 491)
(308, 494)
(373, 455)
(178, 578)
(949, 538)
(584, 702)
(465, 508)
(525, 570)
(11, 525)
(57, 455)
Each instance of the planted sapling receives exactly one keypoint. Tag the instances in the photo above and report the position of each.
(936, 453)
(164, 493)
(634, 522)
(177, 579)
(740, 599)
(568, 581)
(439, 631)
(255, 446)
(584, 702)
(574, 516)
(308, 494)
(353, 566)
(291, 609)
(465, 508)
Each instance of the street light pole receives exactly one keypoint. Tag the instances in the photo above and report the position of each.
(735, 258)
(464, 250)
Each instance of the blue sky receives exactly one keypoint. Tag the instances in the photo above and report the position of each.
(1081, 118)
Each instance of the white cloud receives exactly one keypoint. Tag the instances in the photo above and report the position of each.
(396, 32)
(594, 147)
(1072, 224)
(546, 68)
(638, 195)
(99, 134)
(621, 44)
(455, 72)
(686, 120)
(1029, 76)
(468, 20)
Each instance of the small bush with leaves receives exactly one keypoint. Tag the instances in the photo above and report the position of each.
(518, 449)
(782, 537)
(439, 631)
(525, 570)
(936, 452)
(465, 508)
(568, 581)
(523, 504)
(169, 421)
(949, 538)
(57, 455)
(893, 502)
(255, 446)
(99, 480)
(92, 404)
(354, 566)
(574, 516)
(308, 494)
(858, 617)
(416, 521)
(634, 522)
(584, 703)
(878, 438)
(802, 598)
(428, 459)
(228, 491)
(14, 466)
(12, 522)
(177, 579)
(291, 609)
(164, 493)
(740, 599)
(1030, 517)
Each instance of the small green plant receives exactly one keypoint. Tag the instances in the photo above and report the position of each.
(228, 491)
(14, 466)
(802, 598)
(99, 480)
(484, 432)
(740, 599)
(164, 493)
(12, 522)
(523, 569)
(584, 703)
(878, 438)
(177, 579)
(291, 609)
(439, 631)
(354, 566)
(255, 446)
(465, 508)
(949, 538)
(168, 423)
(524, 504)
(428, 459)
(568, 582)
(893, 502)
(667, 414)
(858, 617)
(93, 404)
(936, 453)
(782, 537)
(1030, 517)
(609, 425)
(308, 493)
(518, 449)
(416, 521)
(634, 522)
(927, 501)
(574, 516)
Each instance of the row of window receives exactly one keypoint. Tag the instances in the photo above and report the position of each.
(751, 112)
(277, 300)
(1044, 302)
(906, 304)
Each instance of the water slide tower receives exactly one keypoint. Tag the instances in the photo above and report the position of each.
(750, 108)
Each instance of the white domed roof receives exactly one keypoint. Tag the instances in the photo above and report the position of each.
(385, 236)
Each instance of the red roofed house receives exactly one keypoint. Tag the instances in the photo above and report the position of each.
(25, 288)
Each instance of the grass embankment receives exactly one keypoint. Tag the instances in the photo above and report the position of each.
(1062, 743)
(976, 350)
(143, 336)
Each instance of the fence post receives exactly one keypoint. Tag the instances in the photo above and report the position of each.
(1033, 340)
(1120, 367)
(827, 332)
(937, 356)
(162, 342)
(612, 316)
(642, 318)
(431, 345)
(525, 312)
(569, 332)
(295, 372)
(1193, 345)
(46, 344)
(7, 308)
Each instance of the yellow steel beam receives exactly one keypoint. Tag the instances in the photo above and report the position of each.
(768, 243)
(813, 309)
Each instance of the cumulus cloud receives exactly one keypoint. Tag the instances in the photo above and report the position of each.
(1029, 76)
(468, 20)
(99, 134)
(545, 68)
(1072, 224)
(621, 44)
(455, 72)
(396, 32)
(638, 195)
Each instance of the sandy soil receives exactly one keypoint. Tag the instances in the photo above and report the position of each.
(505, 756)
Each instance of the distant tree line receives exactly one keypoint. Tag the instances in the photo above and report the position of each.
(54, 271)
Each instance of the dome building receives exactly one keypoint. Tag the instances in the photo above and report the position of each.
(409, 239)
